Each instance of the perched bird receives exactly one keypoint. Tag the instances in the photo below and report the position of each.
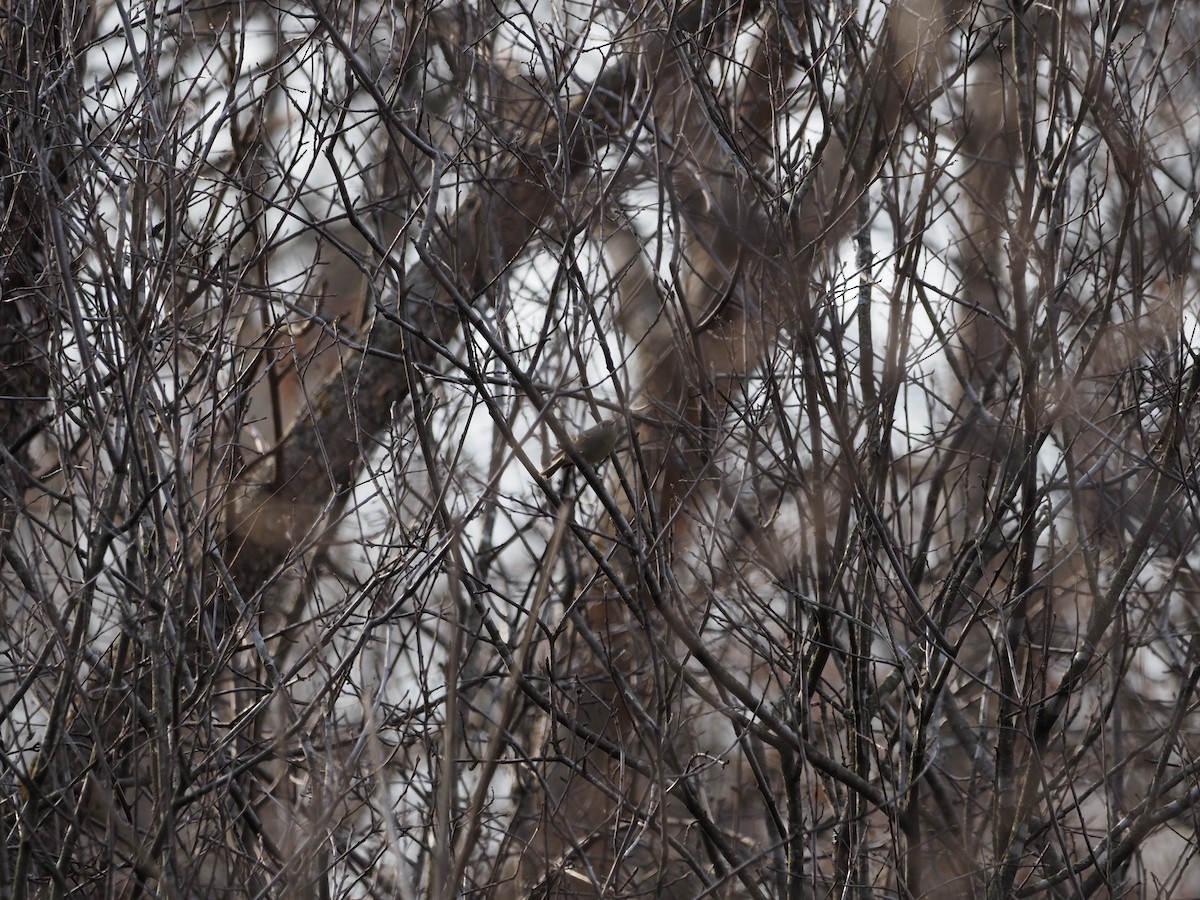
(594, 445)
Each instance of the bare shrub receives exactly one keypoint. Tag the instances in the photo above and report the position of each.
(887, 586)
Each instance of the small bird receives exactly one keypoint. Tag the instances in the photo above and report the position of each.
(594, 445)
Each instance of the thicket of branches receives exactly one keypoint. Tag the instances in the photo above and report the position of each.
(888, 587)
